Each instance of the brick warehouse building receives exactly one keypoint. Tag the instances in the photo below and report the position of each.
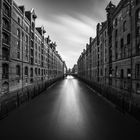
(115, 54)
(28, 60)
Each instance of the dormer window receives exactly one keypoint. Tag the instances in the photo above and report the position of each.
(34, 16)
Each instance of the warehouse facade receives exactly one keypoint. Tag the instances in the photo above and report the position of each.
(27, 57)
(112, 59)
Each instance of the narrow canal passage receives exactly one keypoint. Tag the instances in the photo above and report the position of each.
(68, 110)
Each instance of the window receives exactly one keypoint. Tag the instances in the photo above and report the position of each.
(26, 39)
(22, 34)
(39, 49)
(138, 22)
(122, 74)
(5, 71)
(116, 71)
(18, 49)
(138, 88)
(116, 33)
(6, 24)
(105, 71)
(124, 26)
(36, 71)
(5, 53)
(6, 9)
(26, 71)
(26, 51)
(105, 33)
(18, 33)
(26, 28)
(39, 71)
(31, 72)
(18, 55)
(32, 44)
(122, 43)
(18, 45)
(128, 73)
(116, 22)
(138, 48)
(116, 50)
(32, 52)
(18, 20)
(128, 39)
(122, 47)
(18, 70)
(5, 38)
(36, 46)
(138, 14)
(137, 71)
(42, 72)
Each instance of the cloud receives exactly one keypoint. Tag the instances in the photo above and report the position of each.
(70, 34)
(69, 22)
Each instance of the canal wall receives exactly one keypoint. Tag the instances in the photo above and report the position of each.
(120, 99)
(12, 100)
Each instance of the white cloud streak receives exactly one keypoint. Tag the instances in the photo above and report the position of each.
(70, 34)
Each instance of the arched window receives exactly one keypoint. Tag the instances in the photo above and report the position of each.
(26, 71)
(18, 70)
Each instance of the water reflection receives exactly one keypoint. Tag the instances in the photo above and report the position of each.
(70, 118)
(69, 77)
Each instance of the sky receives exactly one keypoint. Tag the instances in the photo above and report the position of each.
(69, 23)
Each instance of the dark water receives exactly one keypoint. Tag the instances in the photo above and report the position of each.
(68, 111)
